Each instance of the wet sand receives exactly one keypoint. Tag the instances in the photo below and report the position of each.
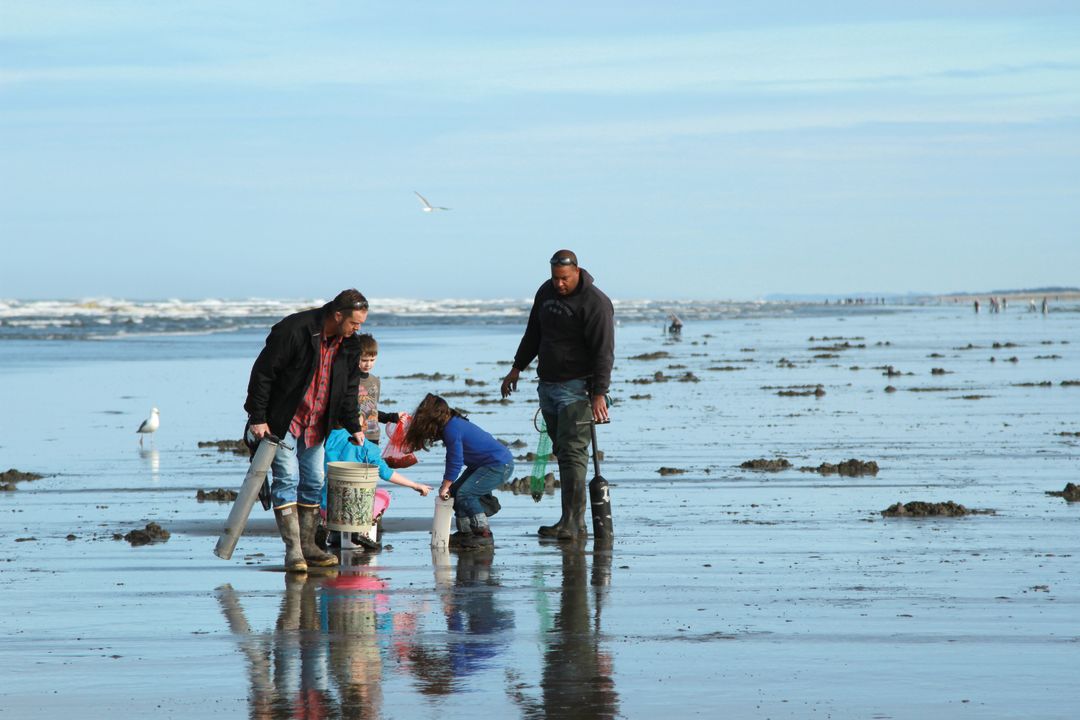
(729, 591)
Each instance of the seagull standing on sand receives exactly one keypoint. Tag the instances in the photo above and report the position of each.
(149, 426)
(428, 207)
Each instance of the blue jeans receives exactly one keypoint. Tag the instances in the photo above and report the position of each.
(475, 483)
(298, 474)
(555, 396)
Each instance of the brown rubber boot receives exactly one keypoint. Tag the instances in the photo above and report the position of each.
(309, 521)
(289, 527)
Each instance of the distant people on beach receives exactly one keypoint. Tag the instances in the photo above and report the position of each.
(1045, 306)
(305, 381)
(571, 330)
(976, 307)
(486, 463)
(675, 324)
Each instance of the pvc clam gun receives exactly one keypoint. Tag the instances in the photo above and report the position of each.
(246, 497)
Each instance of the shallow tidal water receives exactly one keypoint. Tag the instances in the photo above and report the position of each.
(728, 592)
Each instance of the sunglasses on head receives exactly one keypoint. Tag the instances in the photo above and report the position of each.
(360, 305)
(563, 261)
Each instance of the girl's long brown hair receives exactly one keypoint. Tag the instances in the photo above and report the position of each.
(428, 423)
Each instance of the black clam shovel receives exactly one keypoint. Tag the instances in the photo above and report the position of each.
(600, 499)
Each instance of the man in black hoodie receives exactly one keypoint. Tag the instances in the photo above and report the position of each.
(572, 330)
(303, 383)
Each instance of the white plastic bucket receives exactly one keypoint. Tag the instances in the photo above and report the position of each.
(350, 495)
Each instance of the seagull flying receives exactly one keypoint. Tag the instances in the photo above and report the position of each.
(428, 207)
(150, 425)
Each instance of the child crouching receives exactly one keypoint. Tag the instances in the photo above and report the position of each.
(487, 464)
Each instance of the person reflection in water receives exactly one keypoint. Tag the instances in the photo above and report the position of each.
(325, 656)
(356, 614)
(286, 669)
(479, 628)
(577, 677)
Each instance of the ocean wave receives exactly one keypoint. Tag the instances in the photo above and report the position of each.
(102, 318)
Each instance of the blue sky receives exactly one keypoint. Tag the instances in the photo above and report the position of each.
(684, 150)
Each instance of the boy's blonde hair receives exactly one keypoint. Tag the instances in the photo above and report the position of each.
(368, 345)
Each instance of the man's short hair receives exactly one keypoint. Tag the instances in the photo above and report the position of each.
(368, 344)
(564, 257)
(349, 301)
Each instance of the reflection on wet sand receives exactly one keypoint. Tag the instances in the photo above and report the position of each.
(577, 680)
(152, 459)
(478, 626)
(335, 634)
(324, 658)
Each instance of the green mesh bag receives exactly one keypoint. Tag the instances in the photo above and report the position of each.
(539, 468)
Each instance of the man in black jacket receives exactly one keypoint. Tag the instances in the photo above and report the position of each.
(303, 383)
(572, 330)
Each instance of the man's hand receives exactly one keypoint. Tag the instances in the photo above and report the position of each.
(259, 431)
(444, 489)
(599, 409)
(509, 383)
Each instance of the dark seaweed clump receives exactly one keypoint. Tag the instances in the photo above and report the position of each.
(237, 447)
(658, 355)
(9, 477)
(523, 486)
(1071, 493)
(152, 533)
(219, 495)
(848, 468)
(918, 508)
(775, 465)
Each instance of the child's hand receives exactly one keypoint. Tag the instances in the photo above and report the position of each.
(422, 489)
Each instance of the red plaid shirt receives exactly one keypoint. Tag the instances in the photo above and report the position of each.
(311, 413)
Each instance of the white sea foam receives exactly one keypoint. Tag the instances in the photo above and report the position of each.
(117, 317)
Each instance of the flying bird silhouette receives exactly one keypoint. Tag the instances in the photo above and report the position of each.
(428, 207)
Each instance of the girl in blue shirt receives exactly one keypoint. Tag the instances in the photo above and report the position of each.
(486, 462)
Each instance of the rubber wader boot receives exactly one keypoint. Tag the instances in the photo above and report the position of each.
(464, 529)
(289, 526)
(571, 447)
(480, 537)
(309, 520)
(289, 615)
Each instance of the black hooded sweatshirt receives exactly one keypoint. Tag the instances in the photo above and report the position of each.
(574, 336)
(283, 371)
